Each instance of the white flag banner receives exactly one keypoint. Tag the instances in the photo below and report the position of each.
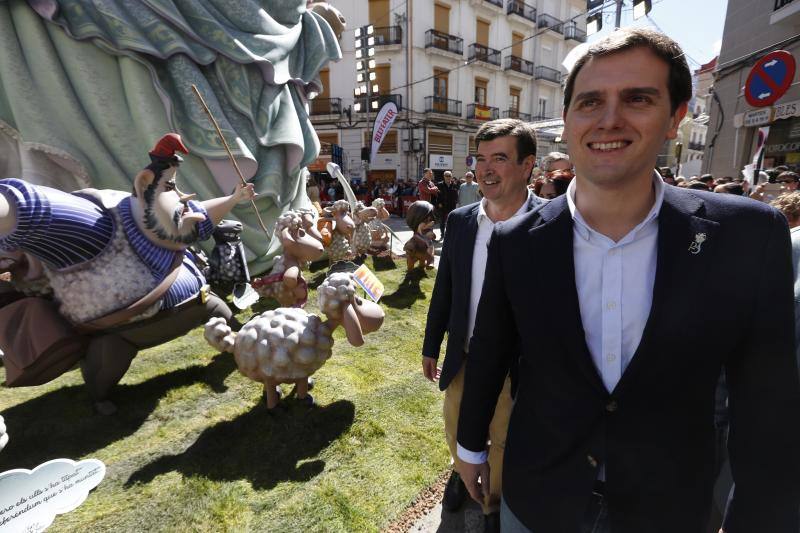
(383, 122)
(763, 133)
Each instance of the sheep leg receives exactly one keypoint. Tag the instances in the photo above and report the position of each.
(271, 393)
(302, 387)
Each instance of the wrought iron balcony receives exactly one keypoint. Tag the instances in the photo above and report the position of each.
(445, 106)
(482, 112)
(781, 3)
(388, 35)
(478, 52)
(514, 113)
(697, 146)
(326, 106)
(515, 7)
(547, 73)
(572, 31)
(551, 23)
(539, 118)
(444, 41)
(498, 3)
(380, 99)
(517, 64)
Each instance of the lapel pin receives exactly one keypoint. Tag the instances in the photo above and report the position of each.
(695, 246)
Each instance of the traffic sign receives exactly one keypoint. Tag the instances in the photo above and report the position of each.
(770, 78)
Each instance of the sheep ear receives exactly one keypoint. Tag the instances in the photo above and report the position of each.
(352, 327)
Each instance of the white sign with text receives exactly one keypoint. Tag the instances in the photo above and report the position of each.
(31, 499)
(441, 162)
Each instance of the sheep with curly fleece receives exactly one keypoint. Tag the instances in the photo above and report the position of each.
(287, 345)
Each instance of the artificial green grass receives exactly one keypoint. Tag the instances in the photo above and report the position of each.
(193, 448)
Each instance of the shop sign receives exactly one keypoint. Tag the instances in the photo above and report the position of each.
(758, 117)
(787, 110)
(385, 162)
(784, 147)
(441, 162)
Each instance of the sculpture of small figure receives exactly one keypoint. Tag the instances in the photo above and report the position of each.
(286, 283)
(117, 267)
(343, 225)
(379, 233)
(419, 247)
(227, 264)
(362, 234)
(287, 345)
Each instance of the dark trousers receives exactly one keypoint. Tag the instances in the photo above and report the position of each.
(595, 519)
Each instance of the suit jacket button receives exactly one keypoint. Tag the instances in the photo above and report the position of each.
(611, 406)
(592, 461)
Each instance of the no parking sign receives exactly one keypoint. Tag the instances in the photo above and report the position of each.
(770, 78)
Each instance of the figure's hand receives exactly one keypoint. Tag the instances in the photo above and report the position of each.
(244, 192)
(430, 370)
(476, 479)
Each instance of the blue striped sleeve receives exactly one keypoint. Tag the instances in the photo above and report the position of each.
(206, 227)
(58, 228)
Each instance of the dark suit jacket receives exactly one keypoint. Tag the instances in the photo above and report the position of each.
(449, 307)
(728, 306)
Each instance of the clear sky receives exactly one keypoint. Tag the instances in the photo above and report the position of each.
(696, 24)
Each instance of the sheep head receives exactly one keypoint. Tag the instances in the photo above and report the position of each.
(340, 211)
(338, 301)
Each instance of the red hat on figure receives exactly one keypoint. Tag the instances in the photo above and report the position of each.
(166, 147)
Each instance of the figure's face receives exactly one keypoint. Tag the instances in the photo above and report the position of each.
(166, 212)
(619, 117)
(500, 177)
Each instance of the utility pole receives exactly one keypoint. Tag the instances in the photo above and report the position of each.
(618, 23)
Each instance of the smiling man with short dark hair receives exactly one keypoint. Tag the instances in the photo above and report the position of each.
(612, 428)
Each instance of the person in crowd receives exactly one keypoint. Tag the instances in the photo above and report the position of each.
(553, 188)
(786, 180)
(332, 192)
(447, 198)
(789, 205)
(697, 185)
(681, 181)
(506, 155)
(428, 191)
(612, 428)
(556, 163)
(730, 188)
(667, 175)
(708, 179)
(468, 192)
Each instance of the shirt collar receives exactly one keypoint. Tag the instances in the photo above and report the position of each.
(585, 231)
(482, 209)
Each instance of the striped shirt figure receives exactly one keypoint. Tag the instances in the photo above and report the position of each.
(64, 231)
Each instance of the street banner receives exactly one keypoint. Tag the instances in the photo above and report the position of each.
(383, 122)
(763, 132)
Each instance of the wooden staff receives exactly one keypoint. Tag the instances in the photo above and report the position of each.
(230, 154)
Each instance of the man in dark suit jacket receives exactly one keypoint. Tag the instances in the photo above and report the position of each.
(612, 428)
(506, 153)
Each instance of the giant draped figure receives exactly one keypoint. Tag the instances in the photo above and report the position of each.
(86, 86)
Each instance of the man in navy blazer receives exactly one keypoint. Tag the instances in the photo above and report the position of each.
(506, 156)
(612, 428)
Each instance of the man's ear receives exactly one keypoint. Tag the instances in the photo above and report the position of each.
(676, 119)
(142, 180)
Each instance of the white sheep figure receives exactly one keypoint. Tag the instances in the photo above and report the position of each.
(3, 434)
(287, 345)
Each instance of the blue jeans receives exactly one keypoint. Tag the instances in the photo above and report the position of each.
(595, 519)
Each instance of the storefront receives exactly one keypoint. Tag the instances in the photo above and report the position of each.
(783, 144)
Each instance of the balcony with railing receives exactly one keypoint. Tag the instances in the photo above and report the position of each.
(378, 100)
(697, 146)
(443, 41)
(517, 64)
(515, 113)
(521, 9)
(479, 52)
(781, 3)
(326, 106)
(444, 106)
(388, 35)
(539, 118)
(572, 31)
(551, 23)
(546, 73)
(786, 13)
(482, 112)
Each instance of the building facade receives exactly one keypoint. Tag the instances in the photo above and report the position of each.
(449, 65)
(753, 29)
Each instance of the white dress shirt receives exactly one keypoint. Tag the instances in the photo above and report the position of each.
(614, 281)
(479, 256)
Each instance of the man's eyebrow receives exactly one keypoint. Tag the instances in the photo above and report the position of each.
(652, 91)
(501, 154)
(588, 94)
